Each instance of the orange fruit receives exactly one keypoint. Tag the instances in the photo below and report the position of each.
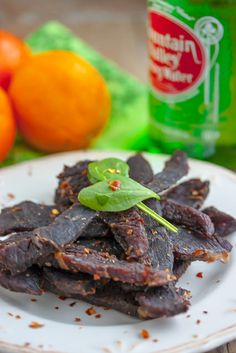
(7, 125)
(61, 101)
(13, 52)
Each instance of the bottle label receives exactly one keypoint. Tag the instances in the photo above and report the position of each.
(181, 57)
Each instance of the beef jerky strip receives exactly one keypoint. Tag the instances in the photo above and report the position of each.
(140, 169)
(25, 216)
(29, 282)
(129, 231)
(21, 251)
(160, 251)
(78, 258)
(175, 168)
(114, 297)
(68, 283)
(160, 255)
(110, 296)
(96, 226)
(162, 301)
(71, 181)
(180, 267)
(192, 193)
(149, 304)
(188, 217)
(224, 223)
(105, 245)
(189, 247)
(108, 245)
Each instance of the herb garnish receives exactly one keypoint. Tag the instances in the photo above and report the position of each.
(114, 191)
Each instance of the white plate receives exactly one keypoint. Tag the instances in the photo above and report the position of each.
(115, 332)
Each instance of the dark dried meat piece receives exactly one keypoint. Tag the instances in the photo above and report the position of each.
(140, 169)
(157, 302)
(69, 226)
(160, 251)
(29, 282)
(21, 251)
(162, 302)
(96, 228)
(68, 284)
(187, 216)
(189, 247)
(113, 297)
(103, 265)
(105, 245)
(192, 192)
(223, 222)
(25, 216)
(71, 181)
(225, 244)
(129, 231)
(175, 168)
(180, 267)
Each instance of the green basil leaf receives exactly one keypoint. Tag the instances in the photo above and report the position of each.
(102, 170)
(101, 197)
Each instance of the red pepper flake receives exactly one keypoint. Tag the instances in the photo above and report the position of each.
(35, 324)
(10, 314)
(62, 297)
(64, 185)
(91, 311)
(33, 300)
(72, 304)
(198, 322)
(56, 307)
(205, 312)
(11, 196)
(144, 334)
(199, 275)
(96, 277)
(77, 319)
(141, 220)
(18, 317)
(115, 185)
(98, 316)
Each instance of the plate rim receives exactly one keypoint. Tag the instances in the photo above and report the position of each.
(202, 344)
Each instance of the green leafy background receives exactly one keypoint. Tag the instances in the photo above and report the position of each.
(127, 128)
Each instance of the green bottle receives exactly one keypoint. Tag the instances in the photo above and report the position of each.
(192, 73)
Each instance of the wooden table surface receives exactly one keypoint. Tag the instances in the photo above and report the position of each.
(116, 28)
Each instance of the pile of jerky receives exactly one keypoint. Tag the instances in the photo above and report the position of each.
(125, 260)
